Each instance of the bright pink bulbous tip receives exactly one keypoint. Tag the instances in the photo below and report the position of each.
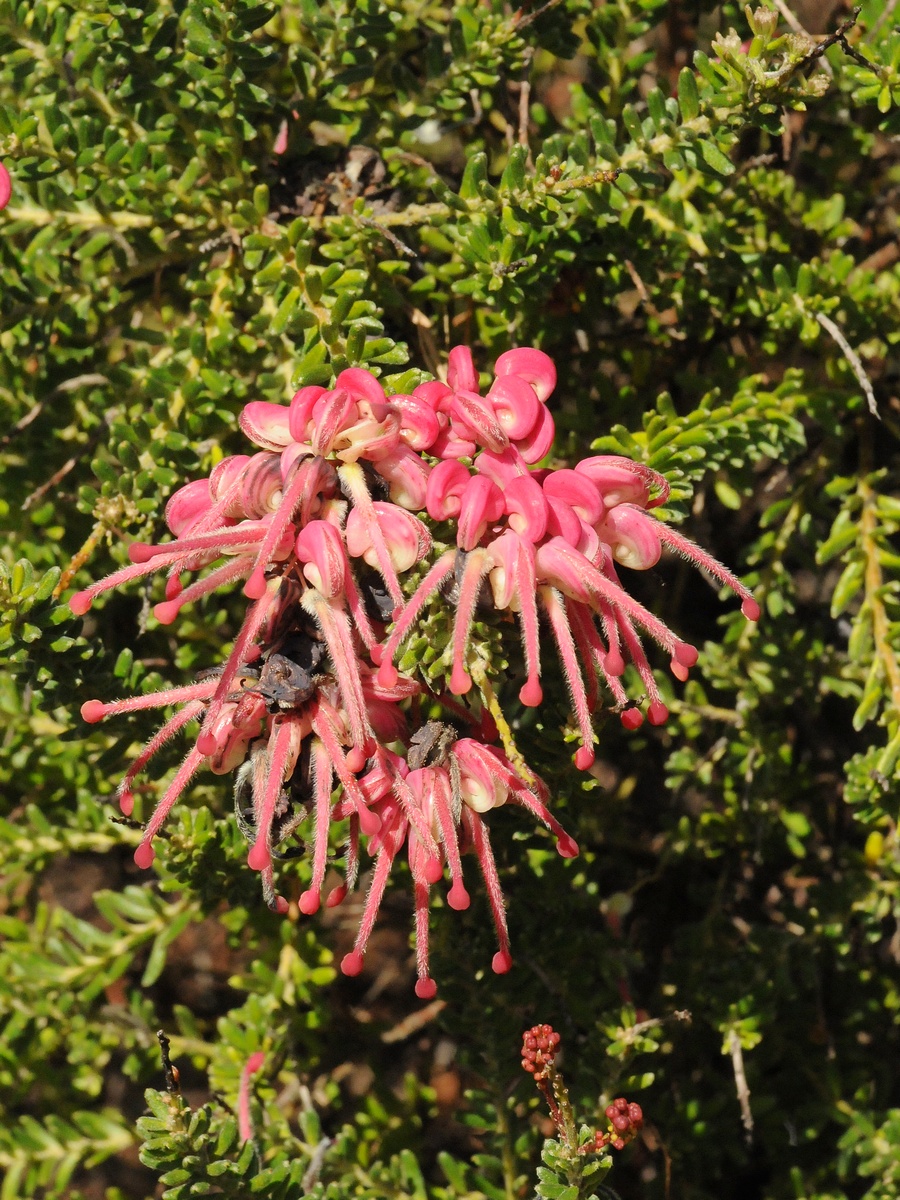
(387, 675)
(584, 758)
(458, 897)
(126, 804)
(259, 857)
(93, 711)
(433, 870)
(657, 713)
(750, 609)
(352, 963)
(281, 906)
(426, 989)
(140, 552)
(166, 611)
(309, 902)
(255, 587)
(632, 718)
(460, 683)
(336, 896)
(531, 694)
(614, 663)
(566, 846)
(686, 654)
(144, 855)
(357, 757)
(206, 743)
(501, 962)
(369, 822)
(80, 603)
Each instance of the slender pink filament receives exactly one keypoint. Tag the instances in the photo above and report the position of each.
(310, 900)
(152, 747)
(429, 585)
(277, 751)
(143, 856)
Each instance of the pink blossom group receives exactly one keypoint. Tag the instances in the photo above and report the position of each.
(325, 526)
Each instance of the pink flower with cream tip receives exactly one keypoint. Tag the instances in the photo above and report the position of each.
(322, 527)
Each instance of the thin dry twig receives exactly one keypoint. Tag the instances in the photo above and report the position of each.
(853, 359)
(740, 1080)
(520, 20)
(400, 247)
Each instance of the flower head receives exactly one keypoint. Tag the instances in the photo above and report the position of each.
(322, 527)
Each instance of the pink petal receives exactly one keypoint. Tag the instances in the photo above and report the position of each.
(534, 366)
(187, 504)
(482, 504)
(407, 473)
(321, 550)
(502, 467)
(419, 425)
(621, 481)
(461, 371)
(577, 491)
(300, 411)
(332, 413)
(406, 538)
(360, 384)
(540, 441)
(632, 536)
(474, 417)
(526, 507)
(266, 424)
(516, 406)
(446, 485)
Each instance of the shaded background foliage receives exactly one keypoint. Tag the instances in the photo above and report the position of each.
(449, 175)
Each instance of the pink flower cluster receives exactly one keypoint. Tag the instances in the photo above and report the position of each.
(324, 524)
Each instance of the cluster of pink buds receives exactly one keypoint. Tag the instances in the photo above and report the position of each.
(539, 1048)
(626, 1120)
(324, 526)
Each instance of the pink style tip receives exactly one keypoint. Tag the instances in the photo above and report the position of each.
(93, 711)
(584, 758)
(458, 898)
(531, 694)
(309, 902)
(426, 989)
(80, 603)
(657, 713)
(501, 962)
(566, 846)
(751, 609)
(632, 718)
(259, 857)
(144, 855)
(685, 654)
(336, 896)
(352, 963)
(166, 611)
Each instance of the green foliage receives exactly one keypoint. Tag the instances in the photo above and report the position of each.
(696, 217)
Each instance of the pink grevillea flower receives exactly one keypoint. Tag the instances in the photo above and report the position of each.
(320, 527)
(512, 414)
(547, 541)
(433, 804)
(5, 186)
